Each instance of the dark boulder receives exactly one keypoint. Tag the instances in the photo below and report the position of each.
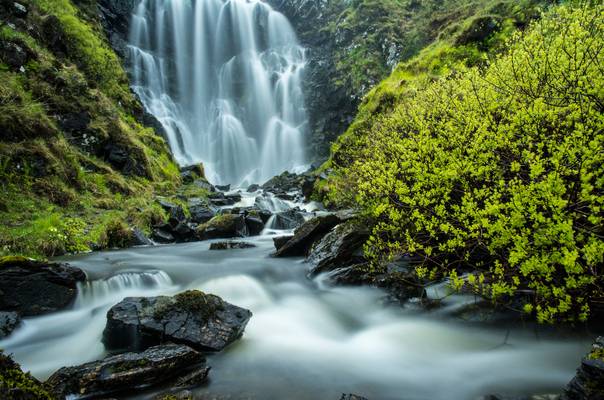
(253, 188)
(128, 371)
(191, 173)
(307, 234)
(231, 245)
(290, 219)
(162, 236)
(280, 241)
(140, 239)
(9, 321)
(200, 212)
(220, 199)
(35, 288)
(223, 226)
(341, 247)
(203, 184)
(176, 214)
(184, 233)
(255, 224)
(354, 275)
(223, 188)
(588, 383)
(201, 321)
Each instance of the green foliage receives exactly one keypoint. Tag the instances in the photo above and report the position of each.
(58, 191)
(495, 175)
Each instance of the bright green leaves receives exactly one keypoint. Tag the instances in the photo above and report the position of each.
(498, 172)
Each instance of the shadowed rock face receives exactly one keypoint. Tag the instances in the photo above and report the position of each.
(588, 384)
(339, 248)
(203, 322)
(9, 321)
(306, 235)
(128, 371)
(35, 288)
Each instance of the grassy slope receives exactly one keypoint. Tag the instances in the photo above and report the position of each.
(436, 36)
(58, 192)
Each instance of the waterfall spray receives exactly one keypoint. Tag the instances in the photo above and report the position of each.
(224, 77)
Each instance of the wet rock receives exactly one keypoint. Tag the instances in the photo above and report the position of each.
(231, 245)
(191, 173)
(35, 288)
(307, 234)
(9, 321)
(281, 241)
(19, 10)
(352, 397)
(184, 233)
(255, 224)
(223, 188)
(203, 184)
(140, 239)
(253, 188)
(290, 219)
(201, 213)
(588, 383)
(162, 236)
(285, 183)
(128, 371)
(222, 227)
(201, 321)
(176, 214)
(354, 275)
(220, 199)
(341, 247)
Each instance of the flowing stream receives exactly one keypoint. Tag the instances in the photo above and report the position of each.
(225, 80)
(305, 340)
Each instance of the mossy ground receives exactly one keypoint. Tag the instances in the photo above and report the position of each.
(60, 190)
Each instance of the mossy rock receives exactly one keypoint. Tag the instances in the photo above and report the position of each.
(16, 384)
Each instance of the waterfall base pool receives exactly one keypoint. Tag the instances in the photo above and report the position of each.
(304, 341)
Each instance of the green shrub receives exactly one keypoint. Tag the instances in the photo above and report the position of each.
(498, 172)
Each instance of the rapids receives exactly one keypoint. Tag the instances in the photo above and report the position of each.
(306, 340)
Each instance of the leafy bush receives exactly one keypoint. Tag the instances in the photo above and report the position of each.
(498, 173)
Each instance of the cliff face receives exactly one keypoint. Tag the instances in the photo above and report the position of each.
(75, 154)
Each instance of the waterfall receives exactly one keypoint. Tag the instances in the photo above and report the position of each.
(224, 78)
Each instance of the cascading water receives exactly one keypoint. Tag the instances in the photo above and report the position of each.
(224, 79)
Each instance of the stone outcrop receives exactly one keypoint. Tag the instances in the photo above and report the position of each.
(202, 321)
(124, 372)
(33, 288)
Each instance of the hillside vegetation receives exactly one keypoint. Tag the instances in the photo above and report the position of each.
(76, 164)
(490, 169)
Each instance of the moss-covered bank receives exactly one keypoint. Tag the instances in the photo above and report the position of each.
(77, 167)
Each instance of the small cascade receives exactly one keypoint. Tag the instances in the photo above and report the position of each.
(99, 292)
(224, 77)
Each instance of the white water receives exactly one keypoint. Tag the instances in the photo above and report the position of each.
(224, 79)
(305, 340)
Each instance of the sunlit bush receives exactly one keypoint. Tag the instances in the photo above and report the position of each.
(498, 173)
